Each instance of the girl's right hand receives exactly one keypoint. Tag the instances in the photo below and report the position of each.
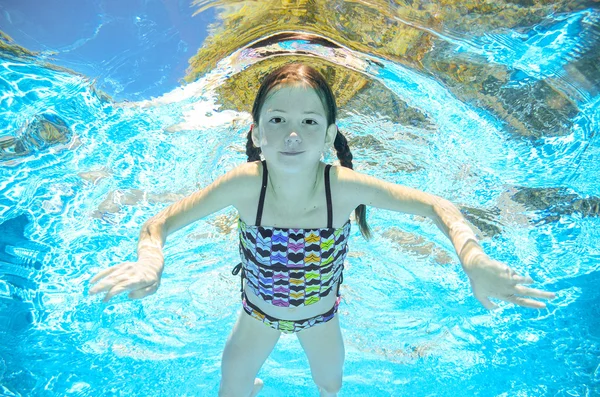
(137, 278)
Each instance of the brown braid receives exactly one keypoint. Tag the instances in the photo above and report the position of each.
(252, 151)
(345, 156)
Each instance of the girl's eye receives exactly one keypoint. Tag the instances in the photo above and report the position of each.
(279, 119)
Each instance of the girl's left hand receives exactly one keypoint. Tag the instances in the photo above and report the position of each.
(491, 278)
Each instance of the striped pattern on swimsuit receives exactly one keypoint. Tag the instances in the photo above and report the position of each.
(292, 267)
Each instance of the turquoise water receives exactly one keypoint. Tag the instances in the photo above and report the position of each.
(410, 322)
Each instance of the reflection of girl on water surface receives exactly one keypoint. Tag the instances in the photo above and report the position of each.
(294, 227)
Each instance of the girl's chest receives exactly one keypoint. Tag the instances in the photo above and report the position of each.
(301, 215)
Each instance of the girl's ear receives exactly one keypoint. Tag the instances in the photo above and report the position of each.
(255, 137)
(330, 135)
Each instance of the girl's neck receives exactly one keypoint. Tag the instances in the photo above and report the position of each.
(297, 187)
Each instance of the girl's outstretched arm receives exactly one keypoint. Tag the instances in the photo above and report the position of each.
(488, 277)
(142, 278)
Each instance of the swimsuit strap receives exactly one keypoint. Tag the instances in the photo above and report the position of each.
(328, 194)
(263, 192)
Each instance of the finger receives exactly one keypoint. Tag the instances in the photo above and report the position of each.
(522, 279)
(534, 293)
(108, 283)
(486, 302)
(482, 298)
(138, 284)
(102, 287)
(526, 302)
(143, 292)
(103, 274)
(117, 289)
(124, 284)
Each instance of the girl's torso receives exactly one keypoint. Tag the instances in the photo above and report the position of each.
(312, 214)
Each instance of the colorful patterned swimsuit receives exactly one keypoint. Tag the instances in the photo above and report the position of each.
(290, 267)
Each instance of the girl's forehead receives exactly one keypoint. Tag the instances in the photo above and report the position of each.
(292, 90)
(290, 95)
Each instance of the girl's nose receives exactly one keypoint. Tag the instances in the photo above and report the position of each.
(293, 138)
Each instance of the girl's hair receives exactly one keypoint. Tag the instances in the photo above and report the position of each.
(305, 75)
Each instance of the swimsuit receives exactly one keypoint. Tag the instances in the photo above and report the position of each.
(289, 267)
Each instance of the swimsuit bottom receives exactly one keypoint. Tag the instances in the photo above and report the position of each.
(288, 326)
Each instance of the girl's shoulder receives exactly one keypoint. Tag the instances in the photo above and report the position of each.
(348, 185)
(345, 177)
(243, 177)
(245, 172)
(358, 188)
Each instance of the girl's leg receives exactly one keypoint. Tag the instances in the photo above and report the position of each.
(247, 348)
(324, 347)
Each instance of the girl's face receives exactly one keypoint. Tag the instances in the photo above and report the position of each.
(292, 129)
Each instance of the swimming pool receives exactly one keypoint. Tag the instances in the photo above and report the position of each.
(498, 117)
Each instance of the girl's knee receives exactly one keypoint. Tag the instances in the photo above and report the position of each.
(330, 386)
(235, 389)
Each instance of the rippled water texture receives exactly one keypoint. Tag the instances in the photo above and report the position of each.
(492, 105)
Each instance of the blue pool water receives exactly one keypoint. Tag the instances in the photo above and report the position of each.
(72, 206)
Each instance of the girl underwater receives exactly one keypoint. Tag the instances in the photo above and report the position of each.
(293, 267)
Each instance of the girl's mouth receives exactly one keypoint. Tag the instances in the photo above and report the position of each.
(291, 153)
